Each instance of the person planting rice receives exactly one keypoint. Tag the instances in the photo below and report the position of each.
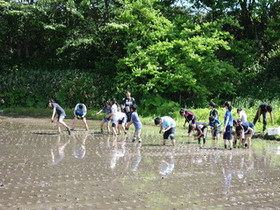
(137, 124)
(228, 123)
(244, 132)
(80, 112)
(60, 114)
(189, 117)
(167, 126)
(121, 120)
(262, 110)
(106, 109)
(201, 131)
(215, 125)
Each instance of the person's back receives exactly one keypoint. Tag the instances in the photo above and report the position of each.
(168, 122)
(135, 119)
(200, 125)
(214, 123)
(59, 109)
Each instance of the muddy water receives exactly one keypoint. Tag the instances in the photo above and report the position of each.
(87, 170)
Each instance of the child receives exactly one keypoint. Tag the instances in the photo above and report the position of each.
(189, 117)
(213, 112)
(137, 124)
(262, 110)
(121, 120)
(60, 113)
(215, 125)
(80, 112)
(201, 129)
(242, 115)
(228, 123)
(244, 131)
(106, 109)
(167, 126)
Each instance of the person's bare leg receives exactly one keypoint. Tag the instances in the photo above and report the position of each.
(58, 127)
(85, 122)
(74, 123)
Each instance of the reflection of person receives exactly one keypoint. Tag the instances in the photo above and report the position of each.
(136, 158)
(60, 113)
(127, 103)
(80, 112)
(262, 110)
(137, 124)
(167, 126)
(57, 151)
(167, 167)
(116, 152)
(79, 149)
(106, 109)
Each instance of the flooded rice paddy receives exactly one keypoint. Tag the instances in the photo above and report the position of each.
(87, 170)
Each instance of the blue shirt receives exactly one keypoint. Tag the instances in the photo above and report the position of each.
(107, 110)
(246, 125)
(228, 114)
(136, 121)
(168, 122)
(216, 122)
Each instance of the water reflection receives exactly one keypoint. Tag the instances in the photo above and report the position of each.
(136, 157)
(57, 150)
(117, 151)
(167, 164)
(79, 145)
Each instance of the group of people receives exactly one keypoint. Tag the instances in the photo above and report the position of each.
(244, 129)
(121, 117)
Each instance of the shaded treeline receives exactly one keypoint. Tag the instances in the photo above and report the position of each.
(168, 53)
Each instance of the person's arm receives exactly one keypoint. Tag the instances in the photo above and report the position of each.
(199, 133)
(129, 124)
(99, 112)
(166, 129)
(54, 111)
(271, 117)
(226, 123)
(160, 130)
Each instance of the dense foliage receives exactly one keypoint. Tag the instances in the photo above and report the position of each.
(167, 52)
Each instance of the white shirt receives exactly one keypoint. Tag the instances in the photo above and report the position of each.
(243, 116)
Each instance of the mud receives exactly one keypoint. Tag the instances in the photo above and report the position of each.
(42, 170)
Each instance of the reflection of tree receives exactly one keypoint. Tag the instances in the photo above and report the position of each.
(167, 166)
(79, 146)
(57, 150)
